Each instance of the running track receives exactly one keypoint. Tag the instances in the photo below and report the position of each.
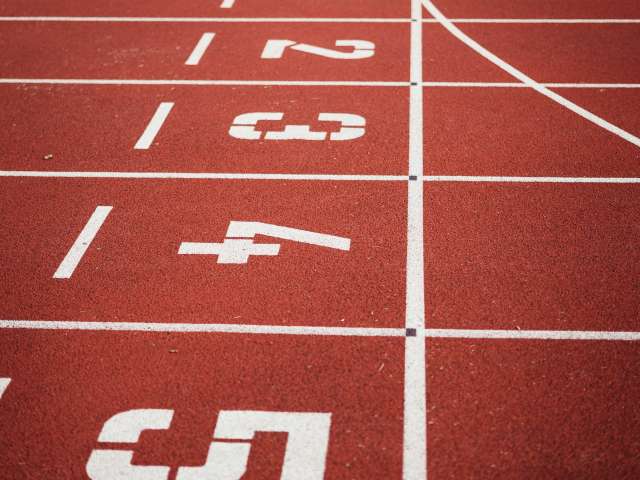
(234, 248)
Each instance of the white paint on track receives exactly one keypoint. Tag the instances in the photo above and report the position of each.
(82, 243)
(203, 176)
(488, 179)
(154, 126)
(514, 72)
(4, 384)
(200, 48)
(103, 19)
(299, 83)
(475, 334)
(202, 328)
(227, 3)
(414, 457)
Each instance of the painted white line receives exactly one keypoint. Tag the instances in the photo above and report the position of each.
(552, 21)
(300, 83)
(514, 72)
(233, 83)
(204, 176)
(251, 229)
(154, 126)
(574, 335)
(80, 246)
(200, 48)
(522, 85)
(4, 383)
(603, 21)
(204, 19)
(414, 456)
(227, 3)
(482, 179)
(533, 334)
(202, 328)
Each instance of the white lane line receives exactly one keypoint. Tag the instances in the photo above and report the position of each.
(514, 72)
(414, 457)
(489, 179)
(522, 85)
(301, 83)
(200, 48)
(80, 246)
(204, 176)
(154, 126)
(602, 21)
(4, 383)
(202, 328)
(574, 335)
(258, 83)
(204, 19)
(552, 21)
(227, 3)
(533, 334)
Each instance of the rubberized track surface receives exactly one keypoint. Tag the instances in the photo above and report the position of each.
(301, 240)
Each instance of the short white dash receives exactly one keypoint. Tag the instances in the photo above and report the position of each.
(201, 47)
(4, 383)
(227, 3)
(80, 246)
(158, 119)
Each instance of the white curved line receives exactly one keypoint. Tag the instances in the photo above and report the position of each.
(514, 72)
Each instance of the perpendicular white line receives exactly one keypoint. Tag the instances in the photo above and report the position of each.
(414, 457)
(498, 179)
(202, 328)
(227, 3)
(532, 334)
(200, 48)
(202, 19)
(4, 383)
(203, 176)
(82, 243)
(514, 72)
(233, 83)
(154, 126)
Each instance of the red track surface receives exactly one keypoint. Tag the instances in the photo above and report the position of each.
(139, 341)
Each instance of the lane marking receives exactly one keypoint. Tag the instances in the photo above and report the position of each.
(312, 177)
(514, 72)
(203, 328)
(82, 243)
(154, 126)
(204, 19)
(533, 335)
(257, 83)
(200, 48)
(601, 21)
(4, 383)
(489, 179)
(204, 176)
(474, 334)
(301, 83)
(414, 457)
(227, 3)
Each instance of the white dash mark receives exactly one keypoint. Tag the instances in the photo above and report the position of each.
(201, 47)
(149, 135)
(82, 243)
(227, 3)
(4, 383)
